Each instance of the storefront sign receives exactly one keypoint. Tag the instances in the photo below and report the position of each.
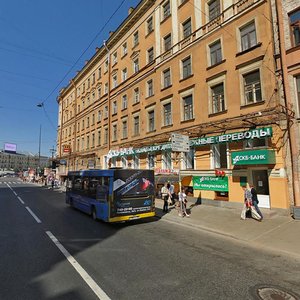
(210, 183)
(166, 171)
(253, 157)
(233, 137)
(229, 137)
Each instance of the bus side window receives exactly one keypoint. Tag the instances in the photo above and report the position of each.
(93, 186)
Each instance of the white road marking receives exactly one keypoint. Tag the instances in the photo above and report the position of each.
(15, 193)
(85, 276)
(34, 216)
(21, 200)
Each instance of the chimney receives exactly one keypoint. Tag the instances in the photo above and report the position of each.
(130, 10)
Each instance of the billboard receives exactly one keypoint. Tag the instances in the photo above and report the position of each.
(8, 147)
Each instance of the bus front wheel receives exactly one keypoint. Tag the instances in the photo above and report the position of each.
(94, 215)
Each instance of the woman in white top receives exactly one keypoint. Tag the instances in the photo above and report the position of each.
(182, 201)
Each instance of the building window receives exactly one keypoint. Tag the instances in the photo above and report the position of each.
(188, 159)
(93, 140)
(298, 92)
(136, 125)
(150, 91)
(167, 160)
(255, 143)
(151, 161)
(149, 25)
(151, 124)
(166, 9)
(150, 55)
(136, 95)
(99, 92)
(217, 98)
(124, 101)
(136, 162)
(136, 65)
(106, 135)
(114, 132)
(115, 58)
(99, 137)
(187, 102)
(114, 107)
(82, 143)
(135, 38)
(99, 73)
(124, 74)
(168, 42)
(82, 124)
(124, 162)
(99, 115)
(167, 114)
(115, 81)
(124, 49)
(94, 78)
(187, 28)
(295, 27)
(124, 129)
(167, 78)
(93, 119)
(219, 156)
(105, 88)
(248, 36)
(106, 112)
(186, 67)
(252, 87)
(88, 142)
(106, 65)
(213, 9)
(215, 51)
(87, 122)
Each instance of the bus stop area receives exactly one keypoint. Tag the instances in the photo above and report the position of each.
(277, 232)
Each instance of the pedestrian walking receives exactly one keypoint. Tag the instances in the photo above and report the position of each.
(248, 205)
(255, 200)
(165, 194)
(52, 183)
(172, 192)
(182, 203)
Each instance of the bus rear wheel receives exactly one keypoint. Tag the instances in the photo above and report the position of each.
(94, 215)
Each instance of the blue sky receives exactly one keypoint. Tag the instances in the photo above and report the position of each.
(39, 43)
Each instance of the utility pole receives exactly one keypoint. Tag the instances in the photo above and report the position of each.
(52, 150)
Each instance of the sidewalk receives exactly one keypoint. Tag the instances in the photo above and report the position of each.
(279, 233)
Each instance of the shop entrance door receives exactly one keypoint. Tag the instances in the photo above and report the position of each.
(261, 183)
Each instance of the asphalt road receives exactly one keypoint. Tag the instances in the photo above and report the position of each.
(151, 259)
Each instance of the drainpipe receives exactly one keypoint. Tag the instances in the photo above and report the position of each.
(108, 95)
(292, 138)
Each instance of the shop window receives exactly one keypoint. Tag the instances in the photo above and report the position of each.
(124, 162)
(255, 143)
(136, 162)
(219, 156)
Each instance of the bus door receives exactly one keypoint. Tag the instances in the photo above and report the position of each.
(102, 197)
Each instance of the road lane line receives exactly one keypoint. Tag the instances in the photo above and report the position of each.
(21, 200)
(15, 193)
(34, 216)
(85, 276)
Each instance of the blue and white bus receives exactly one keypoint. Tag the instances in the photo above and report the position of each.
(113, 195)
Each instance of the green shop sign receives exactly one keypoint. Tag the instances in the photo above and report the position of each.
(253, 157)
(210, 183)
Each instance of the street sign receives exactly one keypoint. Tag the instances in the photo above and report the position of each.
(180, 143)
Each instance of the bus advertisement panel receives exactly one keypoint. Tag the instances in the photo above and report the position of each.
(133, 191)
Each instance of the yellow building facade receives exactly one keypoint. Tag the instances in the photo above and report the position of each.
(202, 69)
